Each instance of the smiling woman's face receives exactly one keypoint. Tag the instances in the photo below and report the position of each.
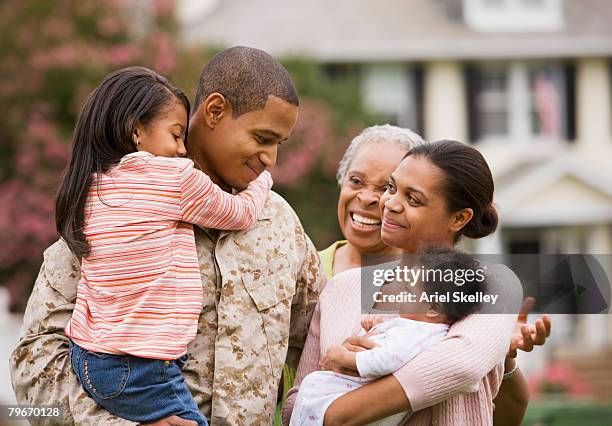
(414, 209)
(364, 184)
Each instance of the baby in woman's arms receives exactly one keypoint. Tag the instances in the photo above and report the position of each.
(398, 338)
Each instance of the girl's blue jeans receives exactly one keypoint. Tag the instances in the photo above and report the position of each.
(137, 389)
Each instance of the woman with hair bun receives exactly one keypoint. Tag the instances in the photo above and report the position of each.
(457, 198)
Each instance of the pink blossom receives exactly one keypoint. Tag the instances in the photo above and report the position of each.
(311, 135)
(165, 54)
(111, 25)
(63, 56)
(123, 54)
(25, 36)
(163, 7)
(57, 28)
(558, 378)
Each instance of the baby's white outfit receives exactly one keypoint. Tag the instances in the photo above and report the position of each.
(399, 340)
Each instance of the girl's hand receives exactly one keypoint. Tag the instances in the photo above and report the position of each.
(526, 336)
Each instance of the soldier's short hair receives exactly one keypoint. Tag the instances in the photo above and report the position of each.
(245, 77)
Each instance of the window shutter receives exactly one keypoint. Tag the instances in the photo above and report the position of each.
(570, 102)
(419, 81)
(472, 88)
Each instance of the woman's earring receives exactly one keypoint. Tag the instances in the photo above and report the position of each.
(137, 143)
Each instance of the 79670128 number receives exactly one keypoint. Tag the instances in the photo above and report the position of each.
(15, 412)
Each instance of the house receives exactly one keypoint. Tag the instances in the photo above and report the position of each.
(528, 82)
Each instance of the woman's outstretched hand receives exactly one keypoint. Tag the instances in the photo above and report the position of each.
(526, 336)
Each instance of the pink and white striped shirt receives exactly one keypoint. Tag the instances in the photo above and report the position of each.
(140, 291)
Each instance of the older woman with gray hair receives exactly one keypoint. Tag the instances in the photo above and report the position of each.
(363, 176)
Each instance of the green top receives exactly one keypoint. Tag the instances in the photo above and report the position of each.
(327, 257)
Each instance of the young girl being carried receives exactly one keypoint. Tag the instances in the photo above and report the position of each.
(125, 208)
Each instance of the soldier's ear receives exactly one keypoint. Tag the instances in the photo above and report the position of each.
(214, 109)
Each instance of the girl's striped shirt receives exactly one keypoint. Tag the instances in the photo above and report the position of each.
(140, 291)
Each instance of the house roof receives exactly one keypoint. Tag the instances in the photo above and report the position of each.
(565, 190)
(389, 30)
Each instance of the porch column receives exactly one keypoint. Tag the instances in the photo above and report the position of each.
(445, 102)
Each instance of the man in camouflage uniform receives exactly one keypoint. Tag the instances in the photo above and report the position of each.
(260, 285)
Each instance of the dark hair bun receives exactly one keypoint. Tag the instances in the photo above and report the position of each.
(483, 226)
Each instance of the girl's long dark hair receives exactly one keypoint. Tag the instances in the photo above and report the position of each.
(102, 135)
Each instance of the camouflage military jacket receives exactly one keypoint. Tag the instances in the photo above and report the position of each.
(260, 289)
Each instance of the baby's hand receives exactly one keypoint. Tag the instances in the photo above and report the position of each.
(370, 321)
(337, 359)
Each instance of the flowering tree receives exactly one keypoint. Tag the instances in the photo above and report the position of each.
(53, 55)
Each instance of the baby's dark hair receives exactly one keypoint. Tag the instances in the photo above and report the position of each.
(449, 271)
(245, 77)
(103, 135)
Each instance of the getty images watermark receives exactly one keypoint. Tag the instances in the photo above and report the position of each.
(412, 276)
(559, 283)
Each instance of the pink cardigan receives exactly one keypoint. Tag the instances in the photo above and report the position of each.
(451, 383)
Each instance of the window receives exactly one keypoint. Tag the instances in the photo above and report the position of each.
(534, 3)
(513, 15)
(390, 91)
(546, 108)
(520, 102)
(492, 101)
(340, 72)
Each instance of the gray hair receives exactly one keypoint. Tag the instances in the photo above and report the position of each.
(385, 133)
